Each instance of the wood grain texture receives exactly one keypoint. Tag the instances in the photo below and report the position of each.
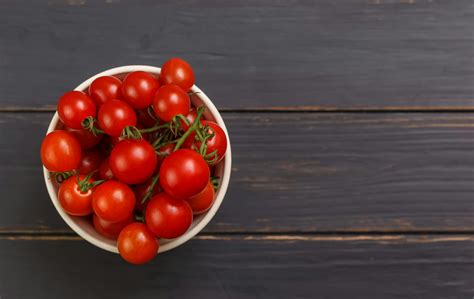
(297, 172)
(244, 268)
(369, 54)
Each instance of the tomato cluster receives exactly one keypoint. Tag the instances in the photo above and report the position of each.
(136, 157)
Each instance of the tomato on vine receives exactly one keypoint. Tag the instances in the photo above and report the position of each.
(75, 195)
(216, 144)
(114, 116)
(74, 106)
(169, 101)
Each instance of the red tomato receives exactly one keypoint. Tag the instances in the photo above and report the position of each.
(179, 72)
(145, 118)
(86, 139)
(72, 199)
(105, 172)
(90, 162)
(133, 161)
(113, 201)
(216, 143)
(105, 88)
(184, 173)
(168, 217)
(74, 106)
(169, 101)
(140, 192)
(136, 244)
(114, 116)
(138, 89)
(202, 202)
(60, 151)
(110, 230)
(164, 152)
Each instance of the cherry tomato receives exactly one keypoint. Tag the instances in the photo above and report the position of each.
(168, 217)
(60, 151)
(140, 192)
(74, 106)
(114, 116)
(86, 139)
(138, 89)
(202, 202)
(184, 173)
(105, 88)
(164, 152)
(90, 162)
(110, 230)
(113, 201)
(133, 161)
(145, 118)
(136, 244)
(72, 199)
(105, 172)
(216, 143)
(179, 72)
(169, 101)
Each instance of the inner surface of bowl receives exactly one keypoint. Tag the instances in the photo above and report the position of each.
(83, 226)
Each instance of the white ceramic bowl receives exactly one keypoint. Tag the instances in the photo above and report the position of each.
(83, 226)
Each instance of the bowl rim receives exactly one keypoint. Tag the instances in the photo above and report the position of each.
(220, 194)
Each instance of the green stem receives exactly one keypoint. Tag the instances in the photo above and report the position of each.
(191, 129)
(89, 125)
(131, 132)
(149, 193)
(139, 218)
(62, 176)
(215, 182)
(151, 113)
(84, 184)
(153, 129)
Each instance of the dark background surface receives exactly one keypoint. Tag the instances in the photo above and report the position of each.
(352, 131)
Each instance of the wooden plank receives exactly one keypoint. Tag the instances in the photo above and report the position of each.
(297, 172)
(363, 54)
(233, 267)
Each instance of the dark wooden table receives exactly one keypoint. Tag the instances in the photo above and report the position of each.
(352, 129)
